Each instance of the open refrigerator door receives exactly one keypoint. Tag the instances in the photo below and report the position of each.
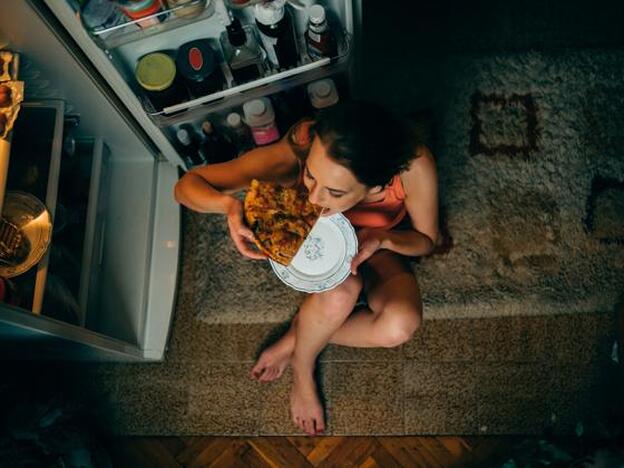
(177, 64)
(101, 238)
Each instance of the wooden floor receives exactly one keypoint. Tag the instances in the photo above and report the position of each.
(292, 452)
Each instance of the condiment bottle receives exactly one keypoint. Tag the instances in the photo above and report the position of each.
(260, 117)
(277, 33)
(189, 147)
(214, 147)
(242, 52)
(156, 74)
(320, 41)
(322, 93)
(240, 133)
(198, 65)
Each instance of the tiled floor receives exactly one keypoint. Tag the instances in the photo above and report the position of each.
(469, 376)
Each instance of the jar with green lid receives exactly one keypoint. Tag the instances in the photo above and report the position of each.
(157, 75)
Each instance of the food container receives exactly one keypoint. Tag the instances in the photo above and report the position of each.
(135, 10)
(189, 8)
(97, 15)
(156, 74)
(199, 67)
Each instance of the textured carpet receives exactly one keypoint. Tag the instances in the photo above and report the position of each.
(529, 150)
(503, 375)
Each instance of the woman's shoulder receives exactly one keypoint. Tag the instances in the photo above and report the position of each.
(421, 171)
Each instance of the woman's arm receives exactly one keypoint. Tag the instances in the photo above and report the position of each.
(421, 188)
(207, 189)
(420, 182)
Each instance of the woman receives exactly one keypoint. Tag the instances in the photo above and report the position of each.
(356, 159)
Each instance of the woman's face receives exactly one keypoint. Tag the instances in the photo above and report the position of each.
(331, 185)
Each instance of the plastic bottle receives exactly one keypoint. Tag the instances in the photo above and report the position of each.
(242, 52)
(214, 147)
(277, 33)
(320, 40)
(260, 117)
(323, 94)
(189, 147)
(239, 132)
(301, 13)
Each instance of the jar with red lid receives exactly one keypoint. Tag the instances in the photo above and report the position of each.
(198, 65)
(137, 9)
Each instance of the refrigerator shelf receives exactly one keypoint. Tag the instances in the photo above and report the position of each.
(130, 31)
(272, 82)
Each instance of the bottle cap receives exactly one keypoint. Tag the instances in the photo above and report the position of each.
(207, 127)
(323, 93)
(156, 71)
(234, 120)
(236, 33)
(317, 14)
(269, 12)
(183, 136)
(197, 60)
(258, 112)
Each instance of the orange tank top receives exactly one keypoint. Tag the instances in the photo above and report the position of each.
(384, 214)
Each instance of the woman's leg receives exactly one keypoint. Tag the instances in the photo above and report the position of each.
(336, 304)
(395, 297)
(392, 291)
(395, 305)
(319, 317)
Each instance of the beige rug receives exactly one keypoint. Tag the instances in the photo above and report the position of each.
(529, 149)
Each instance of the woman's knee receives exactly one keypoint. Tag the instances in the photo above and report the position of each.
(340, 301)
(395, 328)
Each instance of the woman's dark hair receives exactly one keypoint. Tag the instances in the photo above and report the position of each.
(367, 139)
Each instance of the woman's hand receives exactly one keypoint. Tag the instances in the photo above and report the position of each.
(241, 235)
(369, 241)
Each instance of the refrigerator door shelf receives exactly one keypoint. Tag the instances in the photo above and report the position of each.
(46, 118)
(130, 305)
(117, 64)
(236, 96)
(131, 31)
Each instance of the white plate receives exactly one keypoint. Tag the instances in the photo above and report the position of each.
(324, 259)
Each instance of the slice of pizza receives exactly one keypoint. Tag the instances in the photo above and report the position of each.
(280, 218)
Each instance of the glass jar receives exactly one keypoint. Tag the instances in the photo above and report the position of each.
(156, 74)
(198, 65)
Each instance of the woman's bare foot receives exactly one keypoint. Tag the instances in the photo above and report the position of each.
(305, 407)
(275, 359)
